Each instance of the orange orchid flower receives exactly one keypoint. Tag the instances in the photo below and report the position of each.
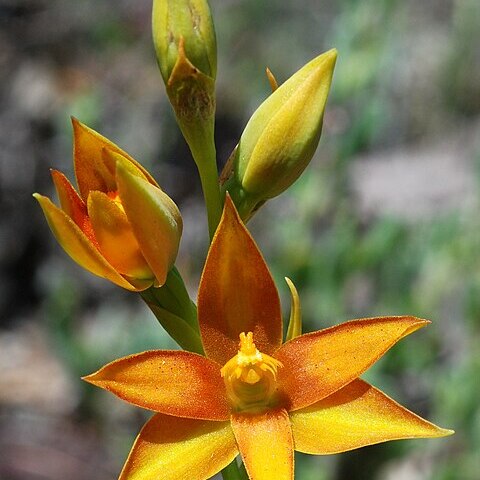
(121, 226)
(262, 399)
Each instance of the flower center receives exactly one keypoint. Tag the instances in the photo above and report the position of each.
(250, 377)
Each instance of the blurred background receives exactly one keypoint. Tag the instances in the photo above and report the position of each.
(385, 220)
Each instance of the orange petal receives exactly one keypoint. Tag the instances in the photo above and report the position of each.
(93, 170)
(115, 236)
(353, 417)
(176, 383)
(320, 363)
(173, 448)
(155, 220)
(77, 245)
(237, 293)
(72, 204)
(265, 443)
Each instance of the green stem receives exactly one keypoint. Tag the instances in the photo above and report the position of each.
(199, 135)
(193, 100)
(234, 472)
(207, 168)
(175, 311)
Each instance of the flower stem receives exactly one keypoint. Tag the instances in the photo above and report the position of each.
(234, 472)
(207, 168)
(200, 137)
(175, 311)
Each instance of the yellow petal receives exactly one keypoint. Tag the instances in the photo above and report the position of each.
(155, 220)
(115, 236)
(93, 170)
(265, 443)
(77, 245)
(356, 416)
(114, 158)
(237, 293)
(176, 383)
(173, 448)
(320, 363)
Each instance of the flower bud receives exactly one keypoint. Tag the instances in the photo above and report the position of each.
(280, 137)
(191, 20)
(185, 43)
(121, 226)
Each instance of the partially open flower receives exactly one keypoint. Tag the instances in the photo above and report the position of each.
(280, 137)
(121, 226)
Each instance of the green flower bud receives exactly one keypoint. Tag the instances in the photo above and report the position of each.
(187, 55)
(280, 137)
(192, 21)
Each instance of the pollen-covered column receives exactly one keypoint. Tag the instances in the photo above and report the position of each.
(251, 378)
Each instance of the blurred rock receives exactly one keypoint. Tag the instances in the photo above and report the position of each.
(32, 376)
(415, 183)
(411, 468)
(34, 91)
(43, 447)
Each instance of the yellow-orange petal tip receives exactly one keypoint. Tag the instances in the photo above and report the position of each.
(89, 378)
(417, 324)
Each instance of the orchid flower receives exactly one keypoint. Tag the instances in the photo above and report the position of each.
(257, 397)
(120, 226)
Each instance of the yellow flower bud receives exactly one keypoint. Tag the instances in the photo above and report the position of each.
(121, 226)
(280, 137)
